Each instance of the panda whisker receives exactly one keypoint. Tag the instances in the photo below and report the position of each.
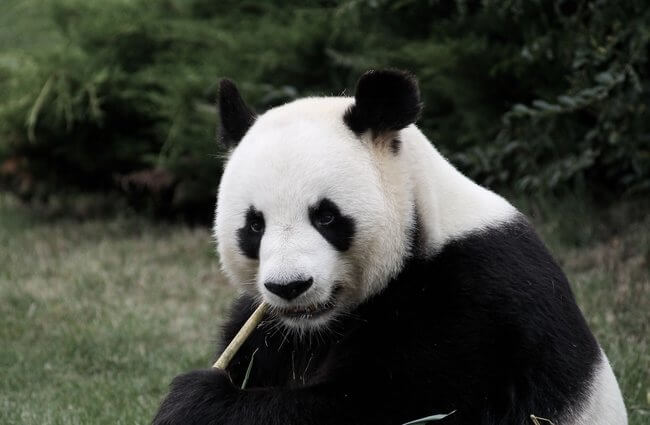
(304, 372)
(272, 327)
(284, 339)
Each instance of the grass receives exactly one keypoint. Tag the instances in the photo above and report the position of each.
(97, 315)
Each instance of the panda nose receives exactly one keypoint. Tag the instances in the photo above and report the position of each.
(289, 290)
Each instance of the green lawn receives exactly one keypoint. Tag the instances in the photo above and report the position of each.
(97, 315)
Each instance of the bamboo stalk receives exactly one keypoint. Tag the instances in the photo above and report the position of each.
(243, 334)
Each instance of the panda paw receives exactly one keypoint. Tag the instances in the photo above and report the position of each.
(197, 397)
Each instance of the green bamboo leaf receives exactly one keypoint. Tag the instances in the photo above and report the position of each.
(429, 419)
(248, 370)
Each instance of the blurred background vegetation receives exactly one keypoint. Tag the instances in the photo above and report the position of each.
(117, 96)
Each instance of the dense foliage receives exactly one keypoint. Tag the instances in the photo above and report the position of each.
(118, 95)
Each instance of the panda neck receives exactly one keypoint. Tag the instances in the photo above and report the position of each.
(448, 204)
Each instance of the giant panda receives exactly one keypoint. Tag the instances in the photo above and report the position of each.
(398, 288)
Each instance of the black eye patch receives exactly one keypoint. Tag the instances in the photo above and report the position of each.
(250, 235)
(336, 228)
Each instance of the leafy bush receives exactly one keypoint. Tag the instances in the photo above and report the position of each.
(592, 128)
(118, 95)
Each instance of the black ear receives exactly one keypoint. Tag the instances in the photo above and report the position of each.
(387, 100)
(236, 116)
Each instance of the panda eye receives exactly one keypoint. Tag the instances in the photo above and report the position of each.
(256, 226)
(325, 218)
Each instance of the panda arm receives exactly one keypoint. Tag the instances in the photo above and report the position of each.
(205, 397)
(213, 396)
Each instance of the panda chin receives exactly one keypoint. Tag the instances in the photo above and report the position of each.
(313, 315)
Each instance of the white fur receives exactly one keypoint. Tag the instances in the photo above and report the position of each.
(448, 203)
(604, 402)
(300, 152)
(292, 157)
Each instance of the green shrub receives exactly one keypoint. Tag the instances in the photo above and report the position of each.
(592, 128)
(118, 95)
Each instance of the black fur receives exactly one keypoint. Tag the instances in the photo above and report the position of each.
(236, 116)
(488, 327)
(248, 239)
(395, 145)
(340, 232)
(384, 101)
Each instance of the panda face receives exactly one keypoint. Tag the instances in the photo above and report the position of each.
(298, 201)
(312, 217)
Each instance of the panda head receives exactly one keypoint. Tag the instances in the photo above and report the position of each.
(315, 212)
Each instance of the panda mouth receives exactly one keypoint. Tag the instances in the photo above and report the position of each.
(309, 312)
(313, 311)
